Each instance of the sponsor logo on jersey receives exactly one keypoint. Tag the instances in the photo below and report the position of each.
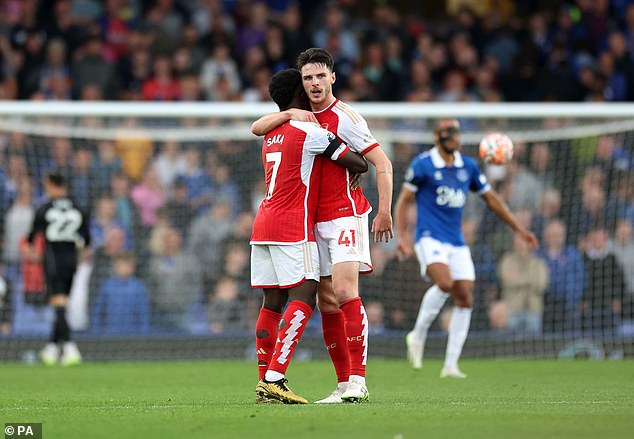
(450, 197)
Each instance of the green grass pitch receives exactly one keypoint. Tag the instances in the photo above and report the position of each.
(501, 398)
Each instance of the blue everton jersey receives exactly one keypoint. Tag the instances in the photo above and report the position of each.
(441, 193)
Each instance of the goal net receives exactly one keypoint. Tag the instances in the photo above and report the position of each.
(172, 190)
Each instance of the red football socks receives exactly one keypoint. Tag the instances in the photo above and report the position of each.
(356, 323)
(292, 327)
(335, 338)
(265, 336)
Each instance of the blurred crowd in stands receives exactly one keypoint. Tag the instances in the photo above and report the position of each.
(190, 50)
(171, 220)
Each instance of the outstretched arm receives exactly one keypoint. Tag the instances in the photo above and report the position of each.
(266, 123)
(382, 224)
(404, 244)
(499, 207)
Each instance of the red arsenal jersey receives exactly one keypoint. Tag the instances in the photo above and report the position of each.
(287, 213)
(336, 199)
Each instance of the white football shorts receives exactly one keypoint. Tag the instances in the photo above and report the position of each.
(457, 258)
(283, 266)
(344, 239)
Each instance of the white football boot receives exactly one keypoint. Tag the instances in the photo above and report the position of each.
(452, 372)
(356, 391)
(70, 355)
(414, 350)
(335, 396)
(50, 354)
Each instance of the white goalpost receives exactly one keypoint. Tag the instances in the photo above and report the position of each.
(201, 166)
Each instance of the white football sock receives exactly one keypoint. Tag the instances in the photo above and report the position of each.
(458, 330)
(357, 379)
(433, 300)
(272, 376)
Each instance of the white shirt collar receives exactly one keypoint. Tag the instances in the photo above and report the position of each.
(439, 162)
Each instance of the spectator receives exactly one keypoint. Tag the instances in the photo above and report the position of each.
(236, 258)
(549, 209)
(92, 68)
(127, 213)
(54, 67)
(134, 70)
(103, 220)
(179, 212)
(603, 295)
(253, 32)
(591, 210)
(134, 147)
(224, 187)
(102, 261)
(83, 184)
(122, 306)
(563, 295)
(169, 163)
(225, 309)
(156, 238)
(523, 280)
(16, 172)
(524, 186)
(208, 231)
(199, 185)
(148, 196)
(60, 160)
(219, 66)
(295, 38)
(162, 85)
(623, 248)
(106, 165)
(17, 224)
(619, 200)
(375, 314)
(335, 24)
(175, 284)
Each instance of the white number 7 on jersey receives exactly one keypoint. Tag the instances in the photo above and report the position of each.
(276, 158)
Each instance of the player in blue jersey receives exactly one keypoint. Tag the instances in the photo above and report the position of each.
(438, 181)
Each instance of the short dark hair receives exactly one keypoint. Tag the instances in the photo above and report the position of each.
(315, 55)
(284, 86)
(56, 179)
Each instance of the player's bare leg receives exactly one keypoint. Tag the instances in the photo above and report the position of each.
(462, 296)
(432, 303)
(292, 325)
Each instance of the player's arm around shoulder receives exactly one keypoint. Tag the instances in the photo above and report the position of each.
(353, 162)
(326, 143)
(271, 121)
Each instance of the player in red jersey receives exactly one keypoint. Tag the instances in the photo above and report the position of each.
(342, 224)
(284, 257)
